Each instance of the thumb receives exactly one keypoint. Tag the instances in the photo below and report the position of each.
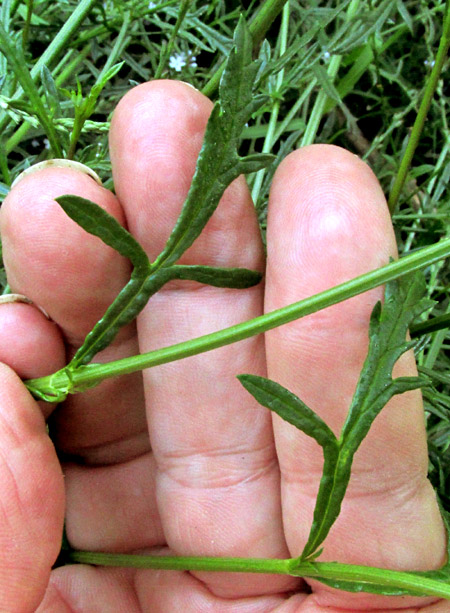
(31, 498)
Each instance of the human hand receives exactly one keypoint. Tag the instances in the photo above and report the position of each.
(219, 476)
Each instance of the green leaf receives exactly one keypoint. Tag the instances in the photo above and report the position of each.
(293, 410)
(388, 328)
(131, 300)
(51, 92)
(236, 278)
(387, 332)
(217, 166)
(218, 163)
(95, 220)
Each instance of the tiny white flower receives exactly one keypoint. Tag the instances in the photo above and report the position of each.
(177, 61)
(46, 143)
(151, 5)
(429, 63)
(35, 142)
(326, 55)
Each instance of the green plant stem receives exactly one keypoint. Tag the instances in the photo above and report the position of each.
(18, 65)
(425, 104)
(173, 35)
(258, 28)
(412, 582)
(431, 325)
(319, 105)
(322, 97)
(92, 374)
(26, 27)
(116, 50)
(269, 139)
(56, 47)
(21, 132)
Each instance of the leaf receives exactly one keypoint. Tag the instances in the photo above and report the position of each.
(387, 332)
(217, 166)
(51, 92)
(218, 163)
(288, 406)
(388, 328)
(236, 278)
(95, 220)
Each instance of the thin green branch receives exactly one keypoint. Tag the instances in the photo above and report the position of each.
(425, 104)
(269, 139)
(56, 47)
(18, 65)
(322, 97)
(173, 35)
(92, 374)
(412, 582)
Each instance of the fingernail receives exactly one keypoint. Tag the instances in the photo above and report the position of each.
(190, 85)
(6, 298)
(58, 163)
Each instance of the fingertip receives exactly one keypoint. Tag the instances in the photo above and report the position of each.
(29, 343)
(328, 216)
(51, 259)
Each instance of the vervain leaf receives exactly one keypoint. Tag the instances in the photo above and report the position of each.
(237, 278)
(95, 220)
(288, 406)
(388, 328)
(218, 162)
(217, 166)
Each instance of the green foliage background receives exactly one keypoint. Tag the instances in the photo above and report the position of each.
(369, 61)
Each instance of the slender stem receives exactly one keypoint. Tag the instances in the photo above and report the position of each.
(243, 565)
(258, 28)
(80, 119)
(431, 325)
(21, 132)
(319, 105)
(414, 583)
(269, 139)
(91, 374)
(17, 63)
(322, 97)
(26, 27)
(173, 35)
(425, 104)
(56, 47)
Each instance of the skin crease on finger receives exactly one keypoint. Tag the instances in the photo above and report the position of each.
(74, 588)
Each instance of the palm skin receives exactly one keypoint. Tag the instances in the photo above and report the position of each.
(181, 458)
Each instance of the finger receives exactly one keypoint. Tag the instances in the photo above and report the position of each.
(328, 222)
(31, 498)
(74, 277)
(217, 481)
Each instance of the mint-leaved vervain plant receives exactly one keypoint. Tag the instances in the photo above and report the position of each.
(217, 166)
